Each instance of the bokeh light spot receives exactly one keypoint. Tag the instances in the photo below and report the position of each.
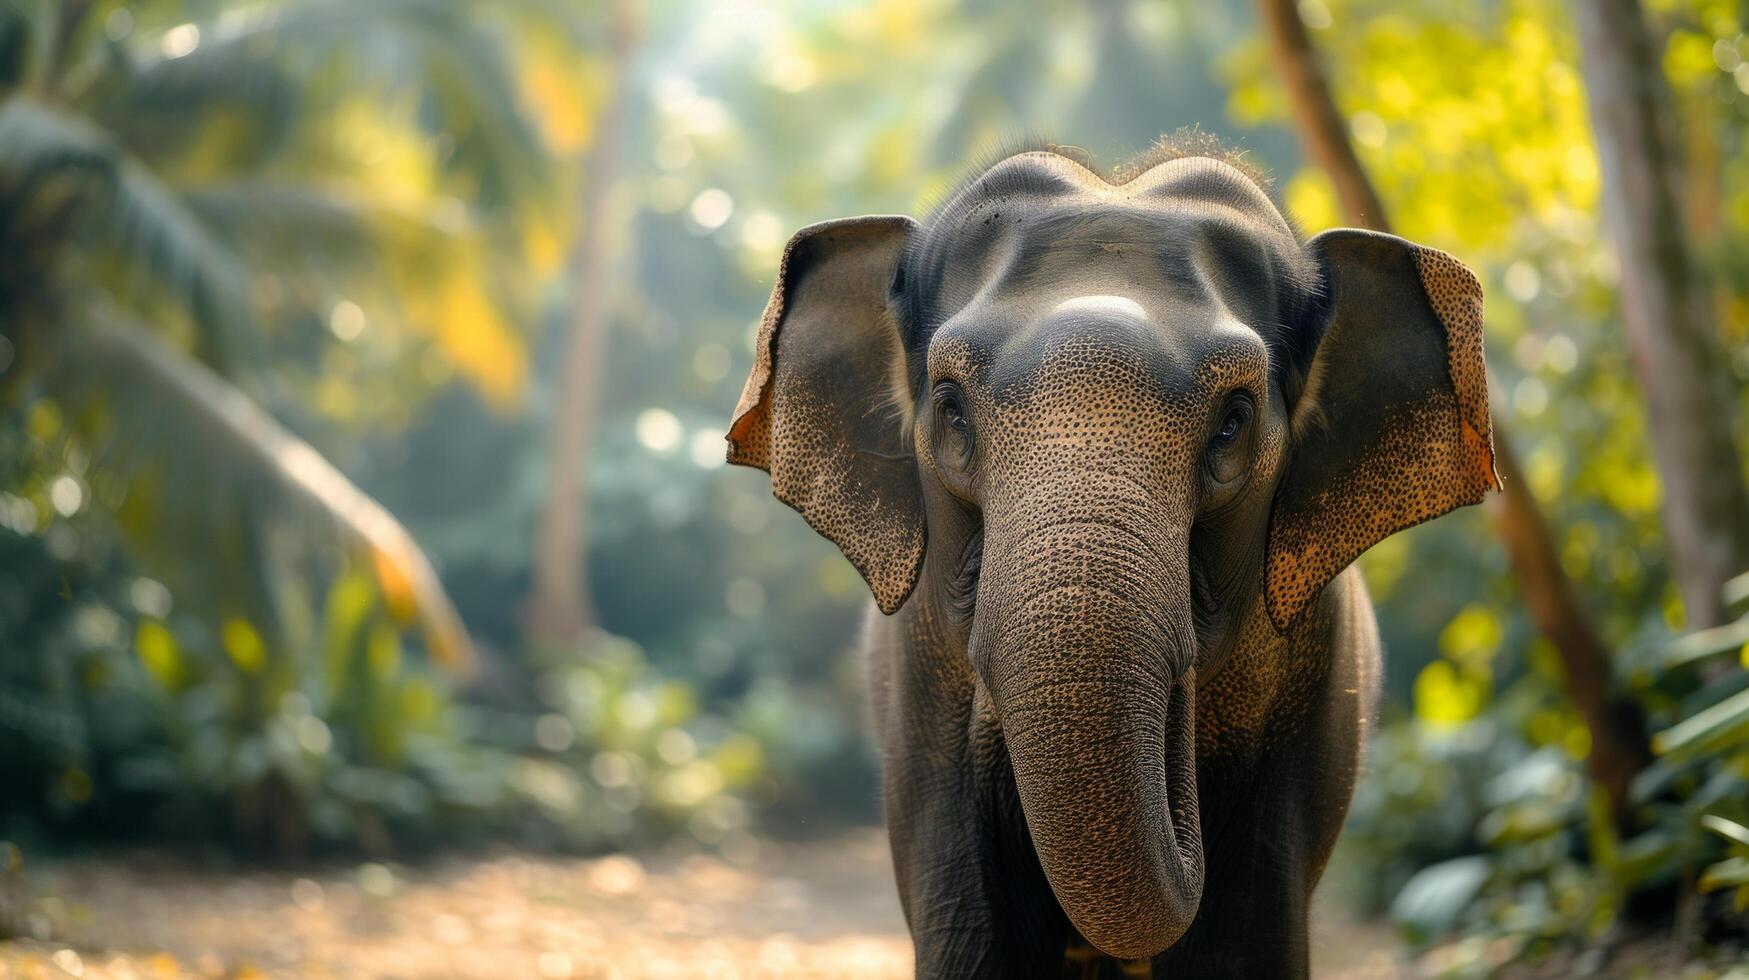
(707, 449)
(66, 495)
(346, 320)
(659, 431)
(711, 208)
(180, 41)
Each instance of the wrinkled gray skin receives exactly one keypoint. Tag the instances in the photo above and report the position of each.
(1102, 452)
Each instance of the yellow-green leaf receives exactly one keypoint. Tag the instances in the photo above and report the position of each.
(243, 644)
(159, 654)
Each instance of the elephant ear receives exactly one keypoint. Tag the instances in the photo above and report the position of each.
(824, 408)
(1391, 428)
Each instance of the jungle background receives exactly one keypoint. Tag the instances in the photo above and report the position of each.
(374, 599)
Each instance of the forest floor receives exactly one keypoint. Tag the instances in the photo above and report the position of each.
(821, 909)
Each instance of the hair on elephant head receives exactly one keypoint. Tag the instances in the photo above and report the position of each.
(1119, 415)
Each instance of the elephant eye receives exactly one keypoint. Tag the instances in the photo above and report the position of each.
(950, 408)
(954, 413)
(1230, 427)
(953, 432)
(1232, 424)
(1225, 462)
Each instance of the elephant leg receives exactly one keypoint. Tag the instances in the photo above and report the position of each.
(1253, 917)
(974, 896)
(1270, 834)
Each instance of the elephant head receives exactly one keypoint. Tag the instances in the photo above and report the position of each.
(1102, 422)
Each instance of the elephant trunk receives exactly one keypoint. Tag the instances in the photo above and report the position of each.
(1088, 653)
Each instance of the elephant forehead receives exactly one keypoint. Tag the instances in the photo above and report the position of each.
(1194, 228)
(1049, 174)
(1101, 350)
(1054, 290)
(1101, 305)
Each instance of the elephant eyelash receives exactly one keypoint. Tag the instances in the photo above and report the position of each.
(951, 418)
(950, 403)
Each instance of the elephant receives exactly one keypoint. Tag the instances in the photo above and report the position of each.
(1104, 445)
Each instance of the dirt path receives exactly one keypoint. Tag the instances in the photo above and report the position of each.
(814, 910)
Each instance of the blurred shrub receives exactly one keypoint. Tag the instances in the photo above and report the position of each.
(138, 726)
(130, 712)
(621, 754)
(1488, 837)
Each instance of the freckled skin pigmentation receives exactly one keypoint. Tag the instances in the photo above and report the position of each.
(1104, 450)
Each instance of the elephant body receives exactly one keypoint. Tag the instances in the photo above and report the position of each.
(1104, 448)
(1276, 764)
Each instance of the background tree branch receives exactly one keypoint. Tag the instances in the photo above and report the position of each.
(1618, 738)
(561, 607)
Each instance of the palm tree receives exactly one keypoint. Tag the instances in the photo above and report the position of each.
(179, 205)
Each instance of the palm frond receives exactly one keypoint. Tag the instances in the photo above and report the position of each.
(34, 136)
(129, 215)
(279, 222)
(48, 168)
(444, 49)
(158, 105)
(176, 418)
(29, 31)
(151, 229)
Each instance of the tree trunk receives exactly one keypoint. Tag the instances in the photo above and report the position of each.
(1619, 748)
(1323, 133)
(561, 608)
(1673, 341)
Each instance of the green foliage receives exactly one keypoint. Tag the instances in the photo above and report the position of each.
(1477, 825)
(126, 716)
(204, 208)
(1487, 836)
(627, 756)
(307, 163)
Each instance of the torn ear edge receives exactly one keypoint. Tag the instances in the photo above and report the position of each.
(838, 450)
(749, 435)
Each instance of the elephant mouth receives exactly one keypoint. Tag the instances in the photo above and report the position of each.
(1204, 604)
(962, 589)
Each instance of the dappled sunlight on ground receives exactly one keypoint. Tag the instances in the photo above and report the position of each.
(825, 909)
